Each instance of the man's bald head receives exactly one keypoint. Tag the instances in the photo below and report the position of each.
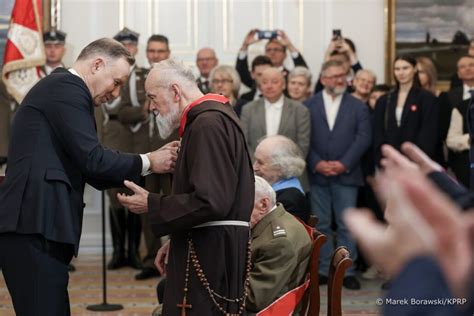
(272, 84)
(206, 60)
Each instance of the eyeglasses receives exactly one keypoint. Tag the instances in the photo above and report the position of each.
(157, 51)
(206, 59)
(274, 50)
(335, 77)
(223, 81)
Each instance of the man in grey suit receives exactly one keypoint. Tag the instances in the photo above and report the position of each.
(340, 135)
(275, 114)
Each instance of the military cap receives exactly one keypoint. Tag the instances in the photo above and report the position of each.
(54, 37)
(127, 36)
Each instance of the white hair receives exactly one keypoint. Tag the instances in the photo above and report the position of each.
(300, 71)
(366, 71)
(174, 71)
(286, 156)
(229, 71)
(264, 190)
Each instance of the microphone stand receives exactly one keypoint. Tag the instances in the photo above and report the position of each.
(104, 306)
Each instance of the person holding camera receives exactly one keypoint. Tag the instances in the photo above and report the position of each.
(275, 49)
(343, 50)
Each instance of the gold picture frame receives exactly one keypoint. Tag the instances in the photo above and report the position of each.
(444, 53)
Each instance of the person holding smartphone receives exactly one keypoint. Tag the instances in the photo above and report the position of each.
(341, 49)
(275, 49)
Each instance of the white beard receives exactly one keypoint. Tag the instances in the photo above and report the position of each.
(167, 124)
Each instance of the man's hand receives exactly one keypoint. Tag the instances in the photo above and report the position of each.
(331, 48)
(418, 156)
(323, 167)
(249, 40)
(161, 259)
(163, 160)
(136, 203)
(337, 167)
(346, 49)
(285, 40)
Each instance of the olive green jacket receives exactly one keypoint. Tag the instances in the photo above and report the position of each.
(281, 249)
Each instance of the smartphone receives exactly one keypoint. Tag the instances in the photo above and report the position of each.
(267, 34)
(336, 34)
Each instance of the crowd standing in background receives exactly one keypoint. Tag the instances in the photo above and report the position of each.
(320, 143)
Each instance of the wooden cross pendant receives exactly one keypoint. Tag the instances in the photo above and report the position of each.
(183, 306)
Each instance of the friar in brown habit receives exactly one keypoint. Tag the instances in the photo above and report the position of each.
(207, 215)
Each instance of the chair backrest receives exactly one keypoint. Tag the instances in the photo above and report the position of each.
(311, 302)
(340, 262)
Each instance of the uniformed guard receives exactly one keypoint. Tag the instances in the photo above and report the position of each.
(55, 49)
(120, 135)
(156, 51)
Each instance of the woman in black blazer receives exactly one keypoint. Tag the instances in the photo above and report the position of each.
(407, 113)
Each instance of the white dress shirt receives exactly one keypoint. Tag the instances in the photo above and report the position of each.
(331, 106)
(457, 140)
(273, 115)
(465, 92)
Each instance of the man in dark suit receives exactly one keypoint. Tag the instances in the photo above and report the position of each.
(340, 135)
(53, 152)
(206, 60)
(454, 112)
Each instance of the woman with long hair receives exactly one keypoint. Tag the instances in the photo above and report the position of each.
(407, 113)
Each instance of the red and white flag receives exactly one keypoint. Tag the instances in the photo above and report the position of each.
(24, 51)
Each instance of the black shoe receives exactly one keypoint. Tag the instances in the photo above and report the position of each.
(322, 279)
(350, 282)
(134, 261)
(71, 268)
(147, 273)
(118, 261)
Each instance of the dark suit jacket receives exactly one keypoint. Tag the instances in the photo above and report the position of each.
(419, 123)
(242, 68)
(347, 142)
(54, 151)
(295, 202)
(422, 279)
(456, 191)
(249, 96)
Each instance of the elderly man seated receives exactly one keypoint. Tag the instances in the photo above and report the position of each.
(281, 249)
(280, 161)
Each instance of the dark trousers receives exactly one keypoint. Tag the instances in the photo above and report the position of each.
(36, 274)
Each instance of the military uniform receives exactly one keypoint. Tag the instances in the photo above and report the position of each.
(52, 37)
(281, 250)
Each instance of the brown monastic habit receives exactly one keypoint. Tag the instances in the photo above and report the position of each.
(213, 181)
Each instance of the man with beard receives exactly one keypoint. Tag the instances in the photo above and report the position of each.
(209, 209)
(340, 134)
